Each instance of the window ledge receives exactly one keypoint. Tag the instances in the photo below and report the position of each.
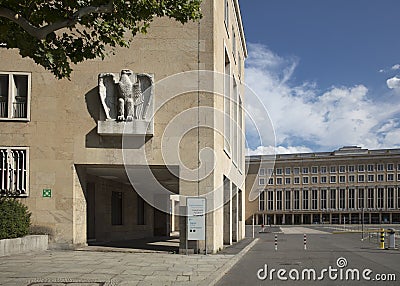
(15, 119)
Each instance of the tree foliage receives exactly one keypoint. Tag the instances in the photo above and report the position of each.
(57, 33)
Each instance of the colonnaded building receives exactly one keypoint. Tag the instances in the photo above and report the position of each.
(348, 185)
(113, 153)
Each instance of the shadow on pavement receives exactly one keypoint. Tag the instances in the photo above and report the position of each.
(153, 244)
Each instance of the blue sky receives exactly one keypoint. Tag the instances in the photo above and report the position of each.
(327, 71)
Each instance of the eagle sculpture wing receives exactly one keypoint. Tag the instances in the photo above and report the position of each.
(147, 88)
(107, 92)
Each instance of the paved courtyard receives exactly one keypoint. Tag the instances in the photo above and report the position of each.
(95, 268)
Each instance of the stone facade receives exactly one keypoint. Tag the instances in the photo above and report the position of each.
(68, 154)
(349, 185)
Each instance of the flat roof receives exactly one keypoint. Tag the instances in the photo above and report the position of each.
(344, 151)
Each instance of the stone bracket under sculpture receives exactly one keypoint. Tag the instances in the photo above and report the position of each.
(127, 104)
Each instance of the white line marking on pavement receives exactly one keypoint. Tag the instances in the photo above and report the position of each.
(301, 230)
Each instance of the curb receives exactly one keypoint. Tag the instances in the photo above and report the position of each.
(214, 278)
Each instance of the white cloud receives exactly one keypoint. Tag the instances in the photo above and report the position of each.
(393, 83)
(304, 116)
(271, 150)
(396, 67)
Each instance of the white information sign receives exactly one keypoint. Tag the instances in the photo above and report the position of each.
(196, 209)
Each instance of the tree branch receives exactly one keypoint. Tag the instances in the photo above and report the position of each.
(40, 33)
(21, 21)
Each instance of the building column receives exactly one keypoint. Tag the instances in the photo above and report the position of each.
(385, 197)
(301, 219)
(380, 217)
(292, 219)
(340, 218)
(330, 217)
(235, 213)
(241, 223)
(227, 212)
(274, 221)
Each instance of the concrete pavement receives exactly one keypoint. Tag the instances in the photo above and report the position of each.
(94, 268)
(324, 249)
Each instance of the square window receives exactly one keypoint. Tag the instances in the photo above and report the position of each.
(323, 170)
(342, 179)
(351, 178)
(361, 168)
(261, 181)
(297, 180)
(342, 169)
(390, 167)
(270, 181)
(287, 171)
(371, 178)
(261, 172)
(279, 171)
(333, 169)
(305, 180)
(14, 96)
(314, 180)
(305, 170)
(370, 168)
(323, 179)
(332, 179)
(314, 170)
(379, 167)
(296, 171)
(279, 181)
(287, 181)
(380, 178)
(351, 169)
(390, 177)
(360, 178)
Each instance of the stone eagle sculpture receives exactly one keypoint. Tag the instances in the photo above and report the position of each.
(126, 97)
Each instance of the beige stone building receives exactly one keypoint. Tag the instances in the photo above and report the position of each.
(348, 185)
(64, 150)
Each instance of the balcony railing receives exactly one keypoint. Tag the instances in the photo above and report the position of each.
(19, 110)
(3, 109)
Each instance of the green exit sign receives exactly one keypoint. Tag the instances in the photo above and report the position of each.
(46, 193)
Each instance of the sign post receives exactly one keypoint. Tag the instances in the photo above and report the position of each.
(196, 220)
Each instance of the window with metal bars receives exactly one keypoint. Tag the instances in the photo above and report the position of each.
(13, 171)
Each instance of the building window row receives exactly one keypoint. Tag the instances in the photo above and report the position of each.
(331, 169)
(369, 198)
(333, 179)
